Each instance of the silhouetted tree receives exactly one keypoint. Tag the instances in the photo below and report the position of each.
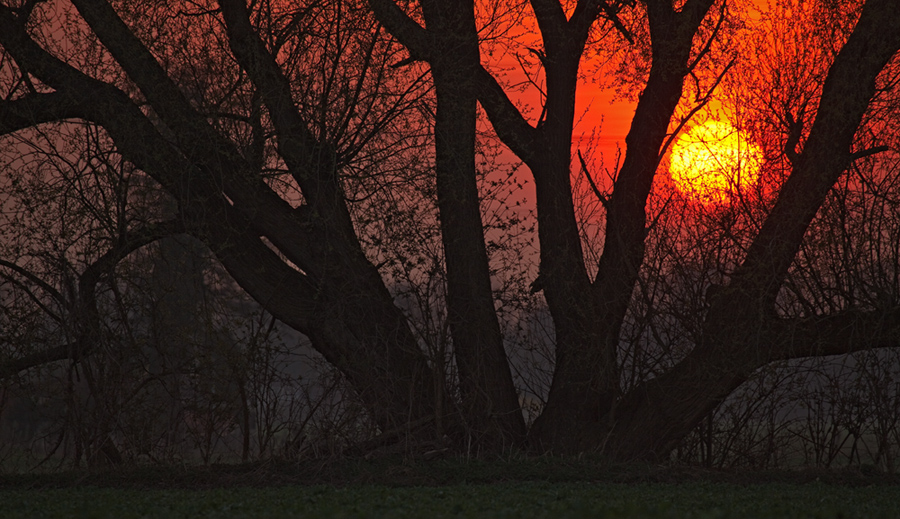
(305, 106)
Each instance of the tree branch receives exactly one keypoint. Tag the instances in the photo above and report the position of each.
(195, 177)
(846, 93)
(85, 308)
(46, 287)
(34, 297)
(312, 163)
(707, 46)
(837, 334)
(861, 154)
(409, 33)
(604, 200)
(35, 109)
(695, 109)
(612, 14)
(143, 68)
(507, 121)
(221, 163)
(13, 367)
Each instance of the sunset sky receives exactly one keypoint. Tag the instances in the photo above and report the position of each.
(181, 179)
(763, 37)
(603, 109)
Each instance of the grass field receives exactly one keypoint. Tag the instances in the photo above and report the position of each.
(542, 488)
(525, 499)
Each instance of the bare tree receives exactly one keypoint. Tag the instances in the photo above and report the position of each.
(302, 110)
(585, 409)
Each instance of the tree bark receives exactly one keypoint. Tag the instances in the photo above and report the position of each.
(490, 407)
(588, 316)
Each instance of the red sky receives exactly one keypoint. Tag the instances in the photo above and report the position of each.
(601, 120)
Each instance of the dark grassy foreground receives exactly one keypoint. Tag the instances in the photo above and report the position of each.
(542, 488)
(524, 499)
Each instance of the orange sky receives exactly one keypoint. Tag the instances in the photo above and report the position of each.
(601, 111)
(597, 111)
(602, 118)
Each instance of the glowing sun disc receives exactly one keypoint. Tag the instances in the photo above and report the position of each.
(714, 161)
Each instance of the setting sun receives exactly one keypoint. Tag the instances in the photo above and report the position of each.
(713, 161)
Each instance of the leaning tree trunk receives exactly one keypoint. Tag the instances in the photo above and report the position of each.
(335, 296)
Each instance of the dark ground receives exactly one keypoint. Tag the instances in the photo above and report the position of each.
(404, 472)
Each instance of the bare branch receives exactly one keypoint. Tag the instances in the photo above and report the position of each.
(297, 144)
(507, 121)
(837, 334)
(34, 109)
(600, 196)
(703, 101)
(707, 46)
(412, 35)
(164, 95)
(46, 287)
(846, 93)
(861, 154)
(612, 14)
(13, 367)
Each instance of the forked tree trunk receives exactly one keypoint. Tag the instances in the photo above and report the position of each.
(588, 316)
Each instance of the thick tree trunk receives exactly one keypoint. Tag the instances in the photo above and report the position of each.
(653, 418)
(490, 407)
(581, 389)
(338, 299)
(583, 385)
(588, 317)
(351, 317)
(353, 324)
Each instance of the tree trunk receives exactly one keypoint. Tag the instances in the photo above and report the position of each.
(588, 317)
(354, 325)
(490, 407)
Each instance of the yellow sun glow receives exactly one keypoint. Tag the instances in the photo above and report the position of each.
(713, 162)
